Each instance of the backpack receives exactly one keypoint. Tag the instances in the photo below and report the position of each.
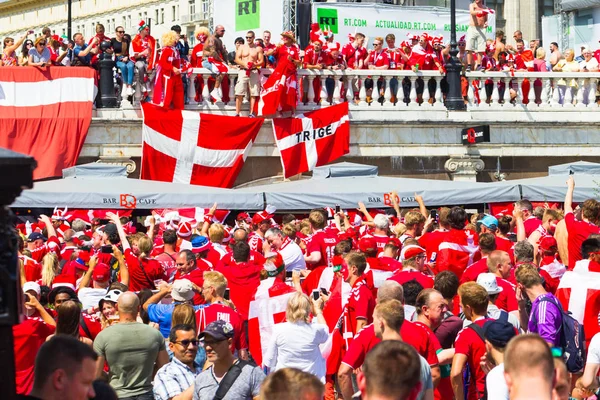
(572, 339)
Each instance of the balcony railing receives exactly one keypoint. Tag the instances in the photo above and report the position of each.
(408, 90)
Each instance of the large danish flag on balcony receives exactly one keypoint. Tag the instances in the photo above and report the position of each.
(313, 139)
(46, 113)
(198, 149)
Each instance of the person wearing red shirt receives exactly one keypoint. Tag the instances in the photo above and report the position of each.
(430, 241)
(268, 46)
(316, 58)
(469, 346)
(143, 48)
(202, 33)
(101, 37)
(460, 246)
(499, 264)
(413, 265)
(431, 308)
(487, 244)
(359, 310)
(380, 232)
(261, 222)
(242, 276)
(29, 335)
(531, 221)
(167, 255)
(319, 249)
(355, 55)
(213, 291)
(551, 269)
(36, 245)
(187, 268)
(378, 59)
(579, 230)
(168, 87)
(390, 254)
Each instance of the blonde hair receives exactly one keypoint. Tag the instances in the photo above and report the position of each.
(50, 267)
(216, 233)
(298, 308)
(413, 218)
(316, 219)
(184, 314)
(399, 229)
(305, 226)
(289, 230)
(540, 53)
(216, 280)
(169, 38)
(40, 39)
(379, 38)
(202, 30)
(145, 245)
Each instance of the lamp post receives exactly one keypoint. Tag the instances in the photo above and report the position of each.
(69, 20)
(454, 100)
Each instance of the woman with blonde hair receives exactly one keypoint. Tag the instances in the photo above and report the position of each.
(295, 343)
(50, 266)
(567, 64)
(168, 86)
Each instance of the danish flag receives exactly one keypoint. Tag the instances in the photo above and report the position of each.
(193, 148)
(312, 139)
(579, 293)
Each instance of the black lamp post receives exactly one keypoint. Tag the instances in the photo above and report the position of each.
(454, 100)
(69, 20)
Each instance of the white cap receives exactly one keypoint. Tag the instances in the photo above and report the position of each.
(182, 290)
(32, 286)
(489, 283)
(381, 221)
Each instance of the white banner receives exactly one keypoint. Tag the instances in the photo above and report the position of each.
(241, 16)
(378, 20)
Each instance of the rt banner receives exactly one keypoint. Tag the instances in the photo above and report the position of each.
(241, 16)
(379, 20)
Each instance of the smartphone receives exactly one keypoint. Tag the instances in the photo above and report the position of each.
(434, 215)
(288, 274)
(226, 295)
(315, 294)
(337, 208)
(324, 291)
(106, 249)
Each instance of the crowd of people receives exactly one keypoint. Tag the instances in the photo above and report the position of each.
(371, 304)
(163, 66)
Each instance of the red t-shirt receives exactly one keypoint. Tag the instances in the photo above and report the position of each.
(433, 344)
(405, 276)
(323, 243)
(353, 55)
(52, 244)
(219, 311)
(395, 58)
(430, 242)
(411, 334)
(380, 241)
(142, 279)
(578, 232)
(168, 261)
(255, 257)
(93, 325)
(470, 344)
(255, 241)
(242, 280)
(313, 58)
(391, 263)
(28, 337)
(33, 269)
(505, 245)
(507, 299)
(473, 271)
(379, 59)
(195, 276)
(531, 224)
(361, 305)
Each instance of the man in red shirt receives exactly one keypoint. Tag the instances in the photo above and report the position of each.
(469, 345)
(531, 221)
(380, 232)
(378, 59)
(317, 59)
(413, 265)
(460, 246)
(36, 245)
(579, 230)
(366, 340)
(355, 55)
(319, 249)
(389, 256)
(243, 277)
(487, 244)
(168, 256)
(268, 46)
(359, 310)
(188, 269)
(213, 291)
(261, 222)
(500, 265)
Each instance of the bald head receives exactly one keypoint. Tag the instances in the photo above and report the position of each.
(128, 303)
(498, 262)
(240, 235)
(219, 31)
(390, 290)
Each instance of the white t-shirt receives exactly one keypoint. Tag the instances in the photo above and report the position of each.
(90, 297)
(292, 255)
(593, 356)
(592, 65)
(296, 345)
(495, 384)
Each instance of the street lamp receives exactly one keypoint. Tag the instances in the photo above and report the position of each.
(454, 100)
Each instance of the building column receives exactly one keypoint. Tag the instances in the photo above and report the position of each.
(464, 168)
(123, 161)
(512, 16)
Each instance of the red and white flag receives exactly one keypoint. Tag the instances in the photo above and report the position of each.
(313, 139)
(46, 113)
(458, 250)
(579, 293)
(193, 148)
(266, 310)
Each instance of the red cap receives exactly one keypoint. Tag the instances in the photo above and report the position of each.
(64, 280)
(184, 229)
(547, 242)
(367, 243)
(101, 273)
(412, 251)
(395, 241)
(260, 217)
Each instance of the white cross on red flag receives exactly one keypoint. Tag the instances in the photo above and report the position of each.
(313, 139)
(190, 147)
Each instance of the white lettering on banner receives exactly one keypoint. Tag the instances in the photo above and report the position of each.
(379, 20)
(315, 134)
(223, 317)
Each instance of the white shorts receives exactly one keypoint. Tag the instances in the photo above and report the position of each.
(476, 39)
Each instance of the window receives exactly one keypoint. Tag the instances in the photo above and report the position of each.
(192, 6)
(204, 6)
(124, 22)
(162, 15)
(173, 14)
(156, 20)
(129, 21)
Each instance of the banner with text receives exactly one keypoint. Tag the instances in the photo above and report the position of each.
(379, 20)
(241, 16)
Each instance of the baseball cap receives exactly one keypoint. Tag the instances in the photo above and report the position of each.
(112, 296)
(367, 243)
(489, 283)
(547, 242)
(33, 236)
(32, 286)
(200, 244)
(498, 332)
(219, 330)
(101, 273)
(489, 221)
(182, 290)
(411, 251)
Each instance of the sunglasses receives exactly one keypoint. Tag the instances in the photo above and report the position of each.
(186, 343)
(376, 44)
(250, 37)
(41, 43)
(120, 31)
